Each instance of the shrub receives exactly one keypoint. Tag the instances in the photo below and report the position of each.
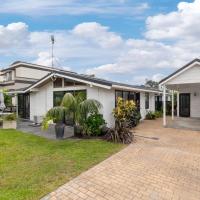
(93, 124)
(135, 118)
(55, 114)
(7, 98)
(150, 115)
(158, 114)
(123, 113)
(10, 117)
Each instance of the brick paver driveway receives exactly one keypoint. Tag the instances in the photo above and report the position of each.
(163, 163)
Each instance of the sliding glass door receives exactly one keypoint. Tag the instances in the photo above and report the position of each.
(24, 106)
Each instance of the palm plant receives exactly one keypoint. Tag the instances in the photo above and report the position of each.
(79, 108)
(74, 107)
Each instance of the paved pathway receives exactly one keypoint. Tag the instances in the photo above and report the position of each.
(164, 163)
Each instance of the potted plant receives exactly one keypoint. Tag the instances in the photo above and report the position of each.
(55, 115)
(10, 121)
(79, 108)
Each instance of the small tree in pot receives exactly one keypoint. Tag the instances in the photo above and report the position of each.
(57, 116)
(79, 108)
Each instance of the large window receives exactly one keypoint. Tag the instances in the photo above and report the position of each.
(128, 95)
(58, 95)
(146, 100)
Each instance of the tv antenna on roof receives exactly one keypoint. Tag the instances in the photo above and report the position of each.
(52, 48)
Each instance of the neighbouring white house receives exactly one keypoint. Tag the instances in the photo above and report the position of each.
(37, 88)
(186, 83)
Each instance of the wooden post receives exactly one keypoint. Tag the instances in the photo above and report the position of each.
(164, 105)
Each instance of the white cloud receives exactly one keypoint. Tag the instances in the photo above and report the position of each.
(94, 48)
(87, 44)
(157, 77)
(181, 24)
(72, 7)
(155, 52)
(95, 32)
(13, 34)
(141, 79)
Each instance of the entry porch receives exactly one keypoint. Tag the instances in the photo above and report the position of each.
(185, 106)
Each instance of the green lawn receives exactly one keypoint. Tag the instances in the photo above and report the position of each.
(31, 166)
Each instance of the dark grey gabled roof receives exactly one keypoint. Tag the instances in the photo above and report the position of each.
(95, 80)
(179, 70)
(71, 74)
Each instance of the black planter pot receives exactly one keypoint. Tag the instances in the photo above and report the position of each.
(77, 131)
(59, 129)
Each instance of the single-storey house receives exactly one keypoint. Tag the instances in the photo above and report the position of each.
(38, 88)
(186, 83)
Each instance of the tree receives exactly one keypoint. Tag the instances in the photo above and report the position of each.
(152, 84)
(78, 108)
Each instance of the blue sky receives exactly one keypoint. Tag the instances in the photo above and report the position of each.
(123, 40)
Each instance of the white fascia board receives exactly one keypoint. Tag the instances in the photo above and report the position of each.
(135, 89)
(41, 81)
(177, 74)
(68, 77)
(15, 92)
(84, 81)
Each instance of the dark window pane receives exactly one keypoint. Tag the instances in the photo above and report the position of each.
(57, 83)
(125, 95)
(68, 82)
(132, 96)
(138, 100)
(57, 98)
(146, 100)
(117, 95)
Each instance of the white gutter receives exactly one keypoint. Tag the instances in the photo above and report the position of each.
(134, 89)
(15, 92)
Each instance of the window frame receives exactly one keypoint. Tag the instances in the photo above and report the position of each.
(135, 97)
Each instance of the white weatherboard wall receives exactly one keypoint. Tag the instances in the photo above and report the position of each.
(105, 96)
(194, 100)
(189, 76)
(30, 72)
(143, 111)
(107, 99)
(41, 101)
